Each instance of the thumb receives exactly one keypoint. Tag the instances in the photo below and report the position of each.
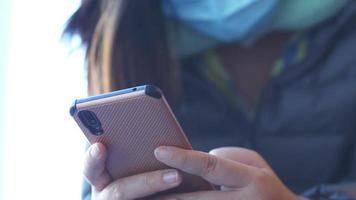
(94, 166)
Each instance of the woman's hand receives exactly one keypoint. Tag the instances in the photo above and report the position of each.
(134, 187)
(241, 173)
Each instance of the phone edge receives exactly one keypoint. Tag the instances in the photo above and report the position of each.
(150, 90)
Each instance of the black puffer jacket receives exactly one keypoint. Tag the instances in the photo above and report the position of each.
(305, 122)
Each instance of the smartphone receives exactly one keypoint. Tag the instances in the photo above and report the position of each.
(132, 123)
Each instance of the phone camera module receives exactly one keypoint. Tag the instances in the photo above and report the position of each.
(91, 121)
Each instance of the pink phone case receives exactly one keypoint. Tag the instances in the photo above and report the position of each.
(134, 122)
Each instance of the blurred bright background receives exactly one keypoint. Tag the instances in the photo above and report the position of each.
(40, 145)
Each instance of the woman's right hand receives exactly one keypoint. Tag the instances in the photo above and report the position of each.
(133, 187)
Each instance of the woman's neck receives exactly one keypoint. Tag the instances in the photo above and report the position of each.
(250, 67)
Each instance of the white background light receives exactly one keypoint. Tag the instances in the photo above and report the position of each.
(43, 146)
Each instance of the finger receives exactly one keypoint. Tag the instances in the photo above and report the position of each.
(216, 170)
(142, 185)
(94, 166)
(205, 195)
(242, 155)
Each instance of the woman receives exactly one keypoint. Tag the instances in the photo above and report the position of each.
(274, 76)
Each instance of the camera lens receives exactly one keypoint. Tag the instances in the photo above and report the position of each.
(91, 121)
(89, 117)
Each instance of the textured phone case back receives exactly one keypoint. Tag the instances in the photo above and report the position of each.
(134, 125)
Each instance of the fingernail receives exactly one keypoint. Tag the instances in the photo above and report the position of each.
(95, 151)
(170, 177)
(163, 153)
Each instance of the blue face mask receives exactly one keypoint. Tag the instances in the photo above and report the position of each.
(225, 20)
(204, 24)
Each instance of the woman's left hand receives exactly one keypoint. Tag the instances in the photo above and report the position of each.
(242, 174)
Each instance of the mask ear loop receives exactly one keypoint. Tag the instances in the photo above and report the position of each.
(100, 52)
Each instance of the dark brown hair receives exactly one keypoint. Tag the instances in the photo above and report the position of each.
(126, 45)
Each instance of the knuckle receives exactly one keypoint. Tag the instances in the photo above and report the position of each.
(113, 193)
(253, 153)
(89, 168)
(149, 181)
(184, 160)
(210, 164)
(262, 175)
(88, 176)
(116, 193)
